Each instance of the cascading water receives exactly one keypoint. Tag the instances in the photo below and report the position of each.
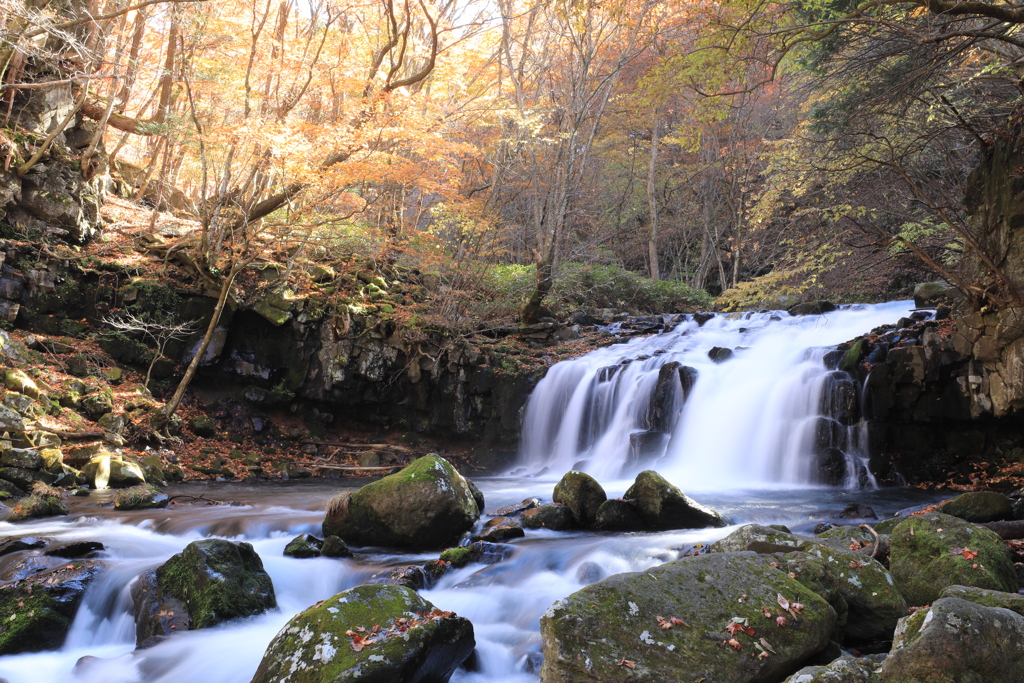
(751, 419)
(745, 422)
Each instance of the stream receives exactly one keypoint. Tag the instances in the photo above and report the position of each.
(738, 443)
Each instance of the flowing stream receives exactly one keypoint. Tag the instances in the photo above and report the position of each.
(732, 439)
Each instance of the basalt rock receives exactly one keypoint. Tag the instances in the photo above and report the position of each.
(581, 494)
(661, 505)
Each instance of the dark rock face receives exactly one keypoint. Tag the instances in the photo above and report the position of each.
(38, 610)
(157, 613)
(587, 634)
(416, 641)
(979, 507)
(217, 580)
(554, 517)
(618, 515)
(426, 505)
(663, 506)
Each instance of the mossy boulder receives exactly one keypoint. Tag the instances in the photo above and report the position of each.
(457, 557)
(581, 494)
(17, 380)
(157, 613)
(333, 641)
(554, 517)
(334, 547)
(105, 471)
(761, 539)
(99, 404)
(616, 514)
(27, 458)
(203, 426)
(846, 669)
(35, 506)
(1011, 601)
(589, 634)
(217, 580)
(25, 478)
(661, 505)
(142, 497)
(933, 551)
(957, 640)
(10, 420)
(428, 504)
(303, 546)
(979, 507)
(505, 530)
(38, 610)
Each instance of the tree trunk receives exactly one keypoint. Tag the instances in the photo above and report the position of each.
(652, 202)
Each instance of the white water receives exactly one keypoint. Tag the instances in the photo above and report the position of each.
(748, 422)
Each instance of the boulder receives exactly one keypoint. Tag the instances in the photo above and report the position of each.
(554, 517)
(761, 539)
(812, 308)
(719, 354)
(217, 580)
(846, 669)
(157, 613)
(1011, 601)
(335, 641)
(580, 493)
(501, 532)
(99, 404)
(957, 640)
(37, 505)
(106, 471)
(428, 504)
(142, 497)
(303, 546)
(592, 634)
(23, 478)
(28, 459)
(10, 421)
(38, 610)
(616, 514)
(663, 506)
(17, 380)
(334, 547)
(933, 551)
(979, 507)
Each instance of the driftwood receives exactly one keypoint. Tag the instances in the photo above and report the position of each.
(1007, 530)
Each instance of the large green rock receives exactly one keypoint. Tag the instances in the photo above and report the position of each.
(663, 506)
(554, 517)
(590, 634)
(580, 493)
(333, 641)
(761, 539)
(979, 507)
(37, 611)
(217, 580)
(957, 641)
(846, 669)
(1011, 601)
(428, 504)
(17, 380)
(933, 551)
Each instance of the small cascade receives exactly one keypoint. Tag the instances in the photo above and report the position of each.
(730, 401)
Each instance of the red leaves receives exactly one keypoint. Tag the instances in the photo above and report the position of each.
(678, 622)
(734, 644)
(766, 613)
(667, 624)
(626, 663)
(780, 622)
(856, 564)
(967, 553)
(400, 626)
(358, 641)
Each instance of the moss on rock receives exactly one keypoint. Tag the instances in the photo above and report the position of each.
(333, 641)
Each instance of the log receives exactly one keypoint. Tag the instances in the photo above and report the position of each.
(1007, 530)
(351, 468)
(363, 446)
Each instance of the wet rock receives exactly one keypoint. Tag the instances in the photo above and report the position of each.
(933, 551)
(334, 547)
(663, 506)
(157, 613)
(618, 515)
(411, 576)
(217, 580)
(812, 308)
(426, 505)
(701, 317)
(304, 546)
(16, 545)
(581, 494)
(748, 534)
(38, 610)
(845, 669)
(857, 511)
(75, 550)
(932, 294)
(979, 507)
(956, 640)
(142, 497)
(42, 504)
(719, 354)
(505, 530)
(589, 633)
(980, 596)
(515, 508)
(416, 641)
(105, 471)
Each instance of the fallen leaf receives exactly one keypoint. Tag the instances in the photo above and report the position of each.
(734, 644)
(781, 621)
(783, 602)
(748, 630)
(679, 622)
(766, 613)
(763, 655)
(626, 663)
(767, 646)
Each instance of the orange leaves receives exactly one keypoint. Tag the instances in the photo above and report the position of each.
(398, 627)
(967, 553)
(626, 663)
(667, 624)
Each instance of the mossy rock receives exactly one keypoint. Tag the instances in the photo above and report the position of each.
(428, 504)
(846, 669)
(956, 640)
(457, 557)
(933, 551)
(618, 515)
(416, 641)
(37, 506)
(587, 635)
(851, 359)
(303, 546)
(98, 404)
(17, 380)
(979, 507)
(217, 580)
(26, 458)
(749, 535)
(661, 505)
(38, 611)
(335, 547)
(203, 426)
(581, 494)
(143, 497)
(980, 596)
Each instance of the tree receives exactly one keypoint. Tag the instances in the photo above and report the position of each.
(160, 333)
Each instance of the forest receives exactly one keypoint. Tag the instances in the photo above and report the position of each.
(530, 152)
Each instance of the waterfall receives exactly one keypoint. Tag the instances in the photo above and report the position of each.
(760, 415)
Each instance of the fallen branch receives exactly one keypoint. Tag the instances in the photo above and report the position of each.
(358, 446)
(350, 468)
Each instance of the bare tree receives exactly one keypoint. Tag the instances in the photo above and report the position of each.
(161, 333)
